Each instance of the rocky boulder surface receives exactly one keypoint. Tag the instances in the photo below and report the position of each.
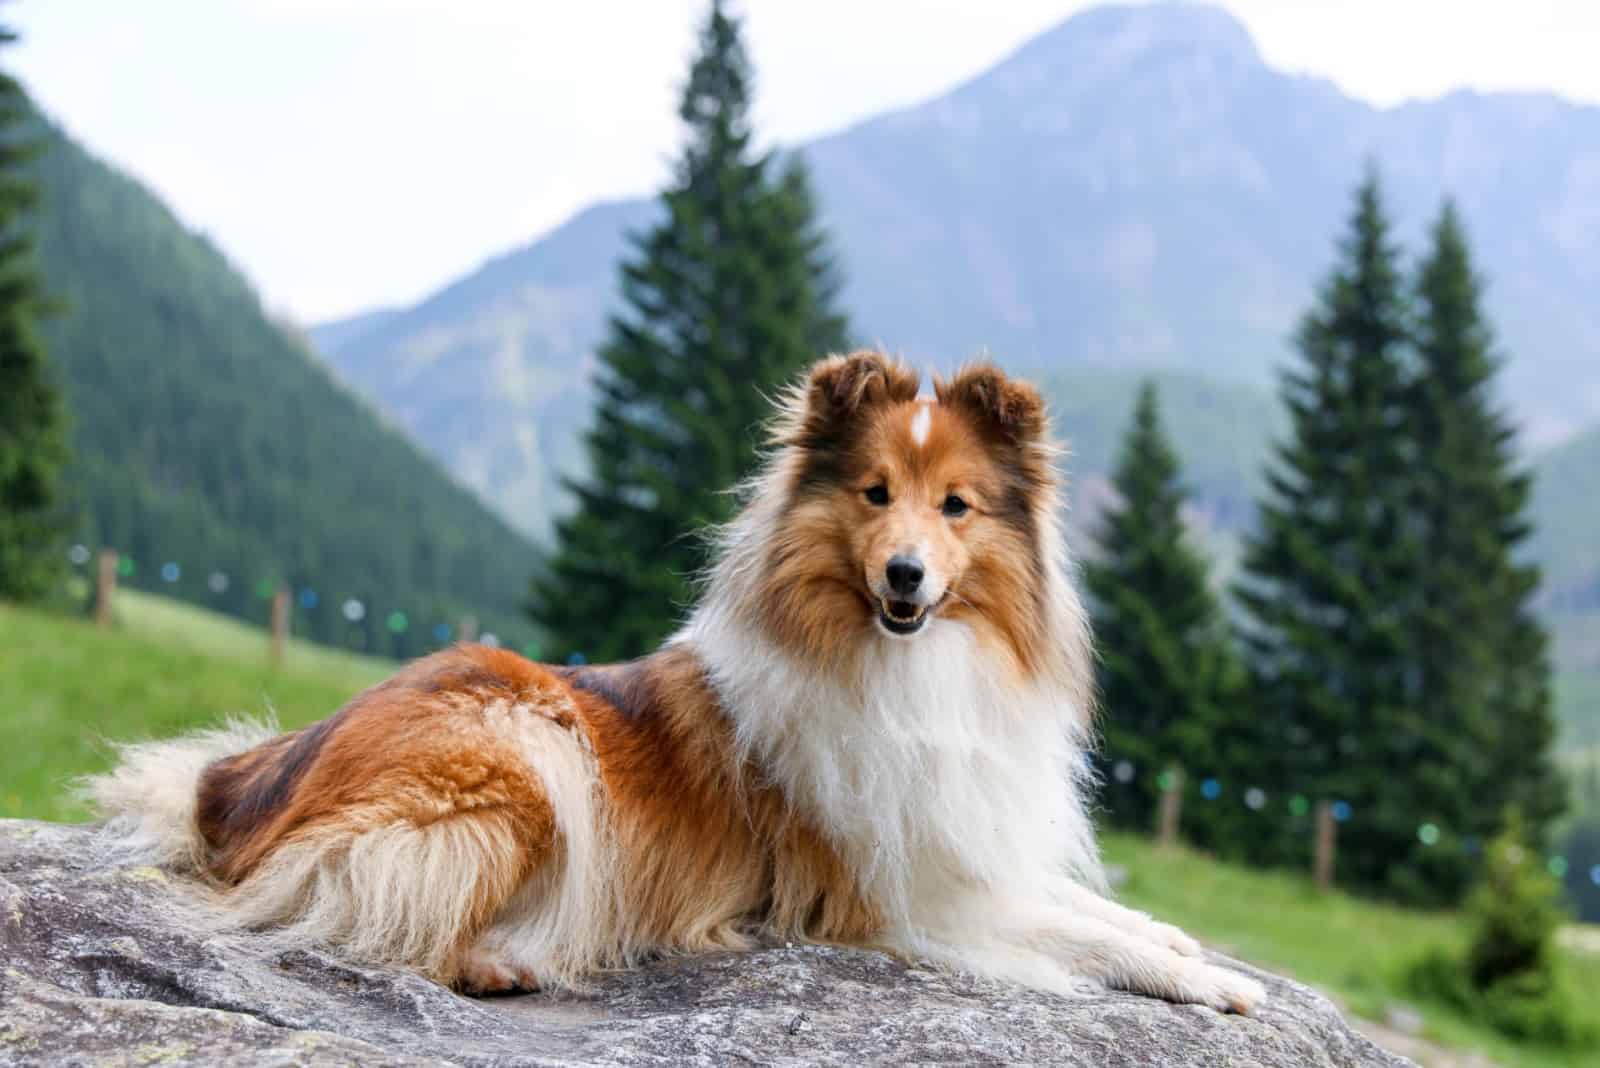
(104, 964)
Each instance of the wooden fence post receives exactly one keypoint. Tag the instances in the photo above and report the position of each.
(469, 629)
(1327, 831)
(105, 589)
(1171, 806)
(280, 625)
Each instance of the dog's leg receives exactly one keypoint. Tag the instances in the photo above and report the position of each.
(562, 923)
(507, 956)
(1091, 947)
(394, 891)
(554, 932)
(1088, 903)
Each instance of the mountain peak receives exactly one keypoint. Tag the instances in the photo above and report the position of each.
(1147, 59)
(1120, 33)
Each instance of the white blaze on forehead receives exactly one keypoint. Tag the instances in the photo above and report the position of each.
(920, 423)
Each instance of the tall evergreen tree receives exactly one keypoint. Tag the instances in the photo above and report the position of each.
(726, 299)
(1329, 582)
(32, 430)
(1167, 674)
(1484, 667)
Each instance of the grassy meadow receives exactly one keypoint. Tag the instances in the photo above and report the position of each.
(66, 687)
(1352, 949)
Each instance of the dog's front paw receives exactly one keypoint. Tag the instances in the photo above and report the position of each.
(1223, 989)
(1174, 939)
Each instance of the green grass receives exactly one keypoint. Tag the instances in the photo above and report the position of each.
(67, 686)
(1355, 950)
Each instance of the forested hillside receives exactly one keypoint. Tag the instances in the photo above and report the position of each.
(1568, 523)
(1221, 428)
(1566, 541)
(207, 437)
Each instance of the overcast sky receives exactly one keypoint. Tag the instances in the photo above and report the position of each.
(355, 153)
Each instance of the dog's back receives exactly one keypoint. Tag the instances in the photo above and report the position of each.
(493, 823)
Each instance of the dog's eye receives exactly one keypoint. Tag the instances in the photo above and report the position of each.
(954, 506)
(878, 494)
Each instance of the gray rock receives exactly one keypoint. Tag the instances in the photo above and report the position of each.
(102, 964)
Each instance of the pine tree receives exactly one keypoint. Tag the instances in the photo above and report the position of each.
(1329, 578)
(32, 423)
(726, 299)
(1484, 666)
(1167, 675)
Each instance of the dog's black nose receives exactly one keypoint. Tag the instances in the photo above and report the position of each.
(905, 575)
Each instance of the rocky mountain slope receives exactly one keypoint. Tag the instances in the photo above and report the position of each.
(1135, 188)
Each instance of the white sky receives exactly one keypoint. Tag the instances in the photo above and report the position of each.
(353, 153)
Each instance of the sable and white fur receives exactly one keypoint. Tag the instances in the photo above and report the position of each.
(813, 757)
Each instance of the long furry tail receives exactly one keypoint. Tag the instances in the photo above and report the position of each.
(148, 798)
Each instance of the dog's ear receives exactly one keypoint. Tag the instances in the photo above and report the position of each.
(1007, 407)
(839, 388)
(821, 414)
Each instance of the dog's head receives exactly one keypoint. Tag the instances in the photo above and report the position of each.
(905, 513)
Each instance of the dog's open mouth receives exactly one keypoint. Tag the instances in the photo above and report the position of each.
(902, 617)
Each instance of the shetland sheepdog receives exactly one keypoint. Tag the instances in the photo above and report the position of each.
(872, 731)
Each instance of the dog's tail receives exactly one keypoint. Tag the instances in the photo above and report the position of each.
(148, 798)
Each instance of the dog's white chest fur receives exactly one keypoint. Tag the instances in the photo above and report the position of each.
(933, 777)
